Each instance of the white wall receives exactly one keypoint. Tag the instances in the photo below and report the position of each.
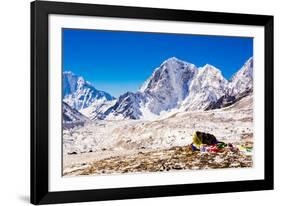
(14, 102)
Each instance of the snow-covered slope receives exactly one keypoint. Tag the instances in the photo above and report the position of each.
(80, 94)
(206, 87)
(70, 115)
(242, 80)
(97, 109)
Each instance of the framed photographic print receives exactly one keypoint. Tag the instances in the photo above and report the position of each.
(131, 102)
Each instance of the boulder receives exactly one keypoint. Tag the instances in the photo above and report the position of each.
(200, 138)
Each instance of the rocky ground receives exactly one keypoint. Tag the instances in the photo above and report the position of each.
(160, 145)
(175, 158)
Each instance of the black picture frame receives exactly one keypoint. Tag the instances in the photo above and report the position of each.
(39, 102)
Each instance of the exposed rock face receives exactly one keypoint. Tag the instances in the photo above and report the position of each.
(227, 100)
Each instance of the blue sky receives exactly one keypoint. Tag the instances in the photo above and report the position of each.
(117, 62)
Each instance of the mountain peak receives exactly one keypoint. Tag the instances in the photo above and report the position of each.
(210, 68)
(79, 93)
(172, 60)
(250, 60)
(207, 86)
(249, 64)
(170, 70)
(69, 72)
(210, 73)
(242, 80)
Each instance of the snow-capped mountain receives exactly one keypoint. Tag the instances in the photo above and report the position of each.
(162, 91)
(174, 85)
(240, 85)
(70, 115)
(242, 80)
(127, 106)
(178, 85)
(80, 94)
(168, 85)
(206, 87)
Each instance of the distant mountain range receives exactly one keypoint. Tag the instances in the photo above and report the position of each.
(174, 85)
(80, 94)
